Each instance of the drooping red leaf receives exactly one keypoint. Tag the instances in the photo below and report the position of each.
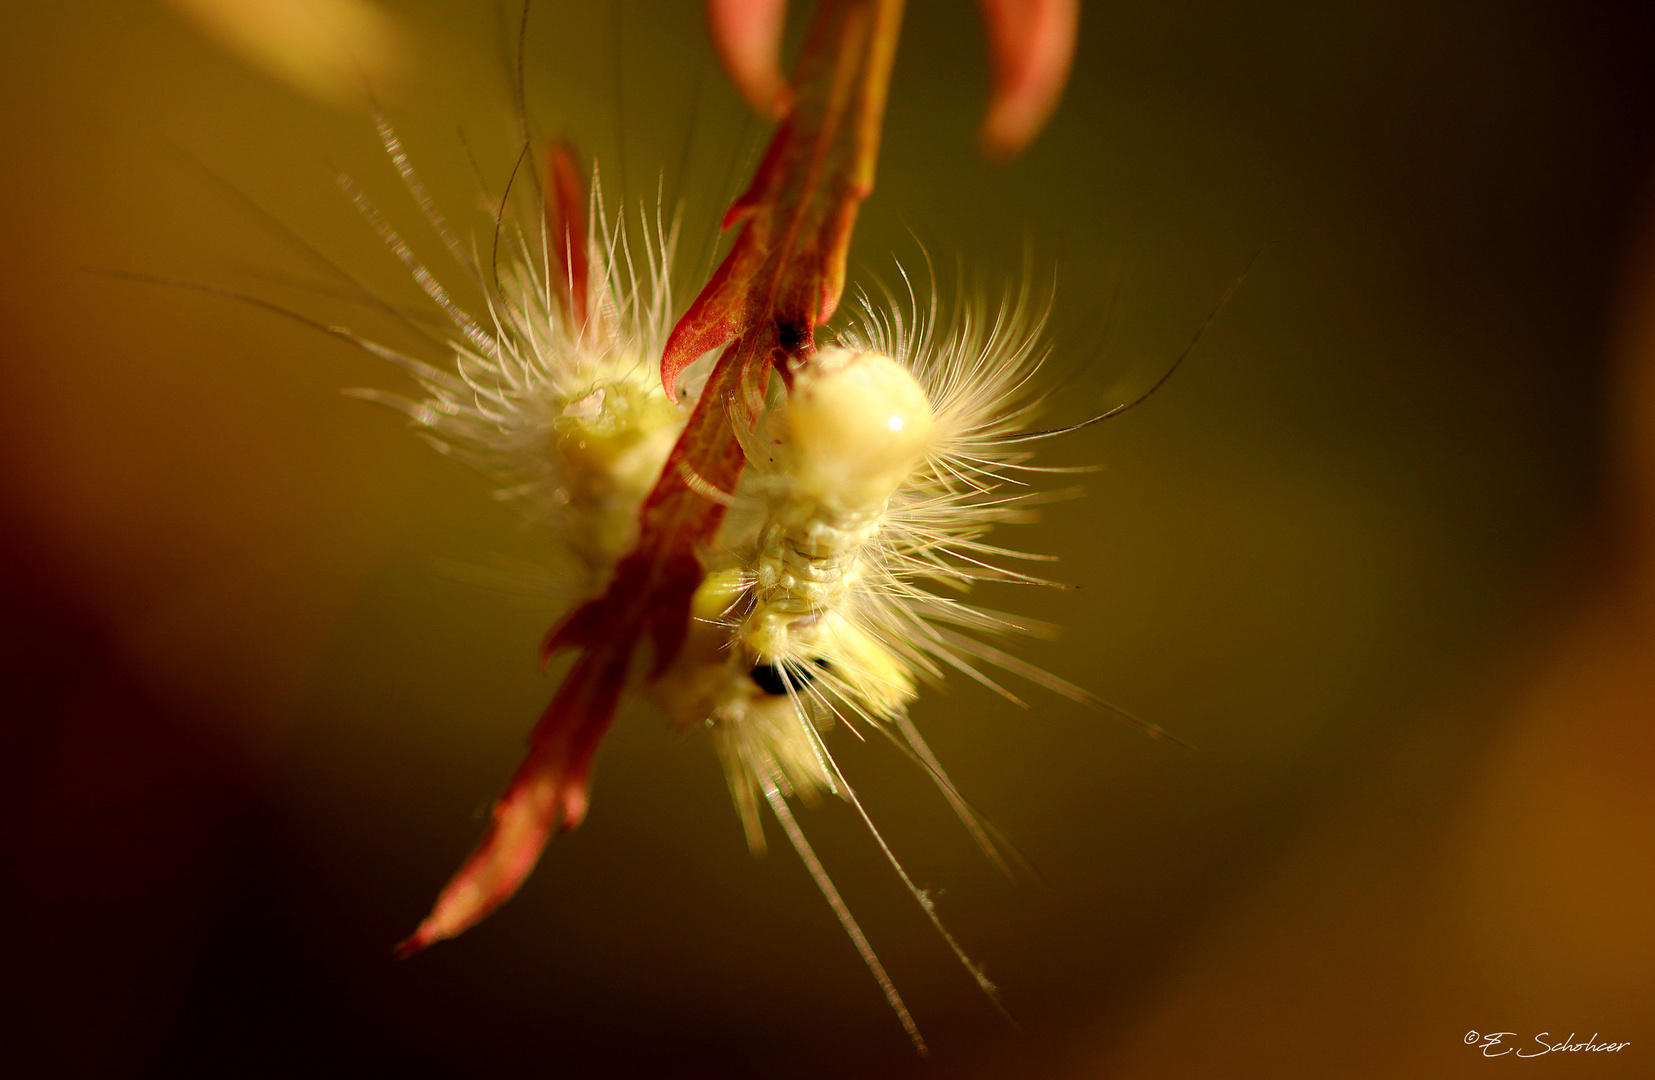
(1032, 44)
(748, 37)
(550, 790)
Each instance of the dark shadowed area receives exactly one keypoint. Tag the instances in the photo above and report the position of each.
(1382, 550)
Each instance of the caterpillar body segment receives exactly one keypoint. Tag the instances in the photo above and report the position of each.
(854, 427)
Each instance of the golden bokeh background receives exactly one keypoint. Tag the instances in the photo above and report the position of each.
(1381, 550)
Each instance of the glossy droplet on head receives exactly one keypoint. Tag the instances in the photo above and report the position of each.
(858, 423)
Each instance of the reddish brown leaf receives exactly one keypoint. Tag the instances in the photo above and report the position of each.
(748, 37)
(1032, 43)
(550, 790)
(786, 270)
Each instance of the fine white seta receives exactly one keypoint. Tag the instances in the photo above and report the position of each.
(834, 588)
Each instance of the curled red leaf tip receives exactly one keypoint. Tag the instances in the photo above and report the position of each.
(1032, 45)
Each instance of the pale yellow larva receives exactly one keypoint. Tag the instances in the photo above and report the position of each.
(869, 478)
(823, 467)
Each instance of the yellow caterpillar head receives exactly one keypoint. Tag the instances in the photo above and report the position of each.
(856, 424)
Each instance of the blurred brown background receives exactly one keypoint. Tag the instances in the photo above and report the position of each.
(1382, 549)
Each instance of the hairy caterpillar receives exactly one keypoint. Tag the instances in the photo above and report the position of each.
(871, 477)
(794, 563)
(870, 483)
(558, 397)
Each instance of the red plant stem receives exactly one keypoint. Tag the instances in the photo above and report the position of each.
(783, 276)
